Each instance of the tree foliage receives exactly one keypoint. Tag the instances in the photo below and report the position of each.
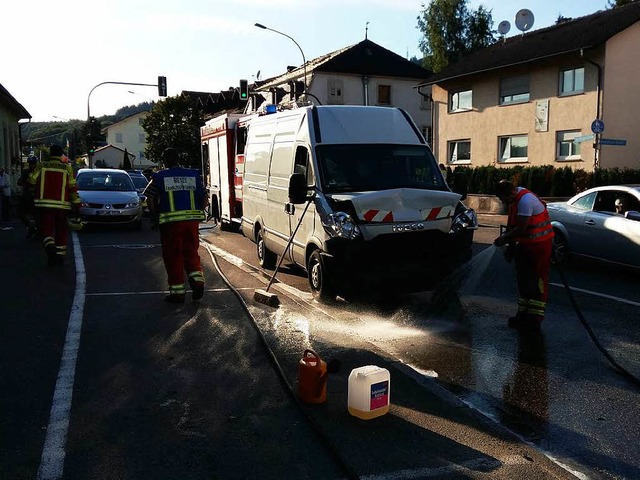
(450, 30)
(174, 122)
(620, 3)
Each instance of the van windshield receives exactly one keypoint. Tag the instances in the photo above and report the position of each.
(359, 168)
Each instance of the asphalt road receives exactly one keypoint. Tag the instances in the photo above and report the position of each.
(561, 394)
(160, 391)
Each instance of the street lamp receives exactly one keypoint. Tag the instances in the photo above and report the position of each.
(304, 61)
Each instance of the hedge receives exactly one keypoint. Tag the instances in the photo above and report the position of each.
(546, 181)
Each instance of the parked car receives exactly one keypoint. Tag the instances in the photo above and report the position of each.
(588, 225)
(108, 196)
(140, 182)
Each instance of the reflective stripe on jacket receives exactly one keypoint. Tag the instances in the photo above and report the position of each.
(539, 228)
(181, 195)
(54, 185)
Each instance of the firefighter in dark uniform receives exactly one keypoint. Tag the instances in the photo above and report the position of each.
(529, 235)
(55, 194)
(176, 200)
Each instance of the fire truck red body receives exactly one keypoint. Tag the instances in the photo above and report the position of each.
(222, 143)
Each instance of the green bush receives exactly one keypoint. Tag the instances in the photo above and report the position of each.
(546, 181)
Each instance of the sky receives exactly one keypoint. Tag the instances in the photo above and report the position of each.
(53, 53)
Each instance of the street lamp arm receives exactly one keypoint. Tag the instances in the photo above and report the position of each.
(114, 83)
(304, 61)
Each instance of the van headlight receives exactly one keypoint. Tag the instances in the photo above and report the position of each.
(465, 220)
(340, 224)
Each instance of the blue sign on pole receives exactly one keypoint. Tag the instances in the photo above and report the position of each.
(597, 126)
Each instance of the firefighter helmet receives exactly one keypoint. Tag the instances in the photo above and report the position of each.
(75, 223)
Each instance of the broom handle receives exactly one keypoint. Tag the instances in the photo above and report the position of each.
(273, 277)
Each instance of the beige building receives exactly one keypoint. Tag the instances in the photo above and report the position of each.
(532, 99)
(128, 134)
(10, 113)
(361, 74)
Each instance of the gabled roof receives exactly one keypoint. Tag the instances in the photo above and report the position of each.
(364, 58)
(126, 118)
(566, 37)
(12, 104)
(110, 146)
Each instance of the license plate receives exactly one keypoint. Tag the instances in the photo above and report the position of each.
(108, 212)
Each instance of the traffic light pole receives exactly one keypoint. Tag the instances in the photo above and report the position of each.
(162, 91)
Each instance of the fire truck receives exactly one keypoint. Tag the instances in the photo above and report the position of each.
(222, 142)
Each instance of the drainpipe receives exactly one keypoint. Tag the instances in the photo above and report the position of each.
(596, 143)
(365, 89)
(429, 98)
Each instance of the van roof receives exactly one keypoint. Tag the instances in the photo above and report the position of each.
(366, 124)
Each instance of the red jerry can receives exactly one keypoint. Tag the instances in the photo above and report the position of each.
(312, 378)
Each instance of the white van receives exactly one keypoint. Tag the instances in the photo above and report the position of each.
(377, 210)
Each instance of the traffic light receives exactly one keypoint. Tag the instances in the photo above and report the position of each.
(94, 127)
(244, 90)
(162, 86)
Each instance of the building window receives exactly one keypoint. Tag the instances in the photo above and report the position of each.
(514, 90)
(141, 155)
(460, 101)
(459, 151)
(566, 148)
(425, 102)
(572, 81)
(384, 94)
(513, 149)
(427, 133)
(142, 138)
(334, 92)
(118, 138)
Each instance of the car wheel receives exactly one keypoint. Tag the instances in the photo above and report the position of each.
(560, 254)
(320, 280)
(266, 257)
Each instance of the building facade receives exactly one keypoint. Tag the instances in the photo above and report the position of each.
(11, 112)
(360, 74)
(128, 134)
(532, 99)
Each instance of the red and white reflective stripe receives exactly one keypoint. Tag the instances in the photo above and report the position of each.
(438, 213)
(378, 216)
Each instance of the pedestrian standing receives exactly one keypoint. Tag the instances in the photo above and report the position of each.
(529, 235)
(176, 199)
(26, 209)
(5, 181)
(55, 195)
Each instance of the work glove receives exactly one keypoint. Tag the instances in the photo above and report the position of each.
(500, 241)
(509, 253)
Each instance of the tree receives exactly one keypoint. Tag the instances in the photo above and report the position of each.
(126, 161)
(174, 122)
(620, 3)
(451, 30)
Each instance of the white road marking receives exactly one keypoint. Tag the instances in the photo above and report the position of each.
(597, 294)
(474, 464)
(53, 452)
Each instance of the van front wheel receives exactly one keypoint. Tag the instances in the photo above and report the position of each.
(266, 257)
(320, 281)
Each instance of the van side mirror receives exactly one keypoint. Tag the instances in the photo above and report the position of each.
(298, 188)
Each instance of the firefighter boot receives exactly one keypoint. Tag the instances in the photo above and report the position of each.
(196, 282)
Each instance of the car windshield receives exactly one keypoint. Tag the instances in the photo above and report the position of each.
(139, 181)
(357, 168)
(113, 182)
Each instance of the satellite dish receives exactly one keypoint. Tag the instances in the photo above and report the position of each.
(524, 19)
(504, 27)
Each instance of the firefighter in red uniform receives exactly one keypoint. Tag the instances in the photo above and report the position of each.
(176, 199)
(529, 235)
(54, 195)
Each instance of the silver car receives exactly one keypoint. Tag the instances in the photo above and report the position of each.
(601, 223)
(108, 197)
